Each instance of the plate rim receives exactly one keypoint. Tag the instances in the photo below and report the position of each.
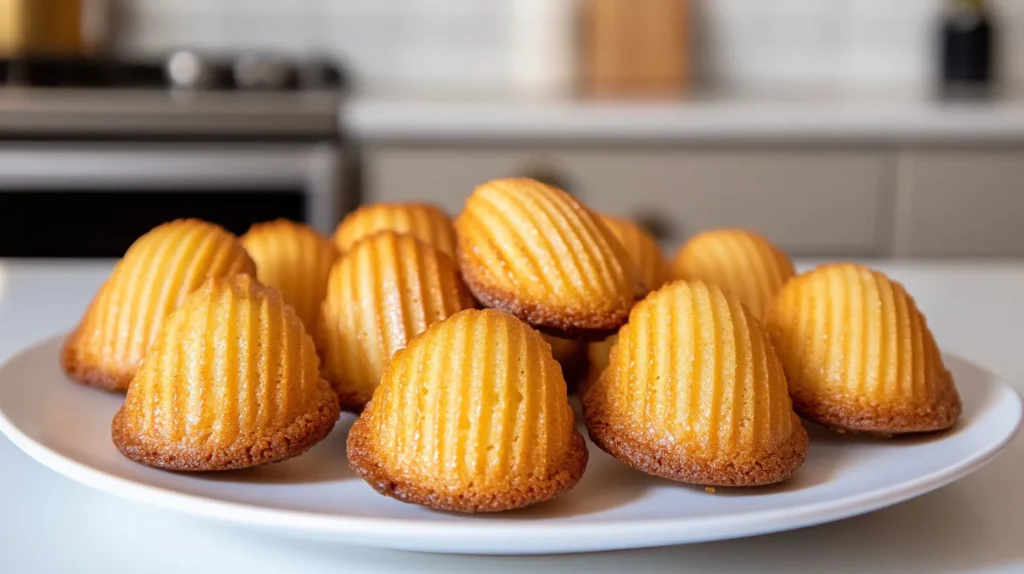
(534, 536)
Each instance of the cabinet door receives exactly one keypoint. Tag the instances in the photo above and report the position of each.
(811, 202)
(960, 203)
(442, 175)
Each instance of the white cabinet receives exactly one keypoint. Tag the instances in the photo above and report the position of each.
(443, 175)
(960, 203)
(810, 201)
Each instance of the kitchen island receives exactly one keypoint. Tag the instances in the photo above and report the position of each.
(51, 524)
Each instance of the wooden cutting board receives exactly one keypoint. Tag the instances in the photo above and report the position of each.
(40, 27)
(636, 47)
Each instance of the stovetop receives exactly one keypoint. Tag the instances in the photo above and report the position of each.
(181, 70)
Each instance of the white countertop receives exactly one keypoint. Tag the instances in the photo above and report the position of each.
(835, 118)
(162, 113)
(892, 118)
(51, 524)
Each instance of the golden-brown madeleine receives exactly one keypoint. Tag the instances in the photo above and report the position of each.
(737, 260)
(152, 279)
(571, 355)
(294, 259)
(472, 416)
(649, 261)
(424, 221)
(859, 355)
(642, 249)
(231, 382)
(383, 291)
(536, 252)
(694, 392)
(597, 361)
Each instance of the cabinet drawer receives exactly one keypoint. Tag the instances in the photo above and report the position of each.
(960, 203)
(811, 202)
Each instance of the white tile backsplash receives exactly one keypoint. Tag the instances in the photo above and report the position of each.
(157, 7)
(466, 44)
(286, 32)
(892, 9)
(173, 31)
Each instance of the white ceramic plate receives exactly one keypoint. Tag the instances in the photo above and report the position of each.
(67, 428)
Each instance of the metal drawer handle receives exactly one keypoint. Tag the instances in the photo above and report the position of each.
(551, 176)
(659, 226)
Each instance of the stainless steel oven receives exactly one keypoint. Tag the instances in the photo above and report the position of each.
(93, 198)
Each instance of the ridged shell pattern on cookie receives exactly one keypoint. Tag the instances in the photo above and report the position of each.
(642, 249)
(423, 221)
(480, 400)
(382, 292)
(535, 251)
(294, 259)
(233, 362)
(859, 353)
(692, 364)
(156, 274)
(738, 260)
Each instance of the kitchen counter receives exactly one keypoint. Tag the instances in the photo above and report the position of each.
(894, 118)
(35, 112)
(887, 118)
(51, 524)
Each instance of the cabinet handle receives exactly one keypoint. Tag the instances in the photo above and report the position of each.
(660, 227)
(551, 176)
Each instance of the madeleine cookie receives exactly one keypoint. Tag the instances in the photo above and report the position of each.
(643, 250)
(737, 260)
(597, 361)
(383, 291)
(536, 252)
(859, 355)
(472, 416)
(423, 221)
(650, 263)
(231, 382)
(694, 393)
(152, 279)
(294, 259)
(571, 356)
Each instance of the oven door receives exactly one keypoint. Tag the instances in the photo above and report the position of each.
(86, 199)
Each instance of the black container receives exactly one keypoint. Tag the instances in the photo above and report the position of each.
(967, 44)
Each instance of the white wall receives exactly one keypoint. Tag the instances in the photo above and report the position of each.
(465, 44)
(856, 43)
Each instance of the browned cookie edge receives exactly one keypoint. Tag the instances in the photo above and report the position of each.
(669, 463)
(363, 459)
(289, 442)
